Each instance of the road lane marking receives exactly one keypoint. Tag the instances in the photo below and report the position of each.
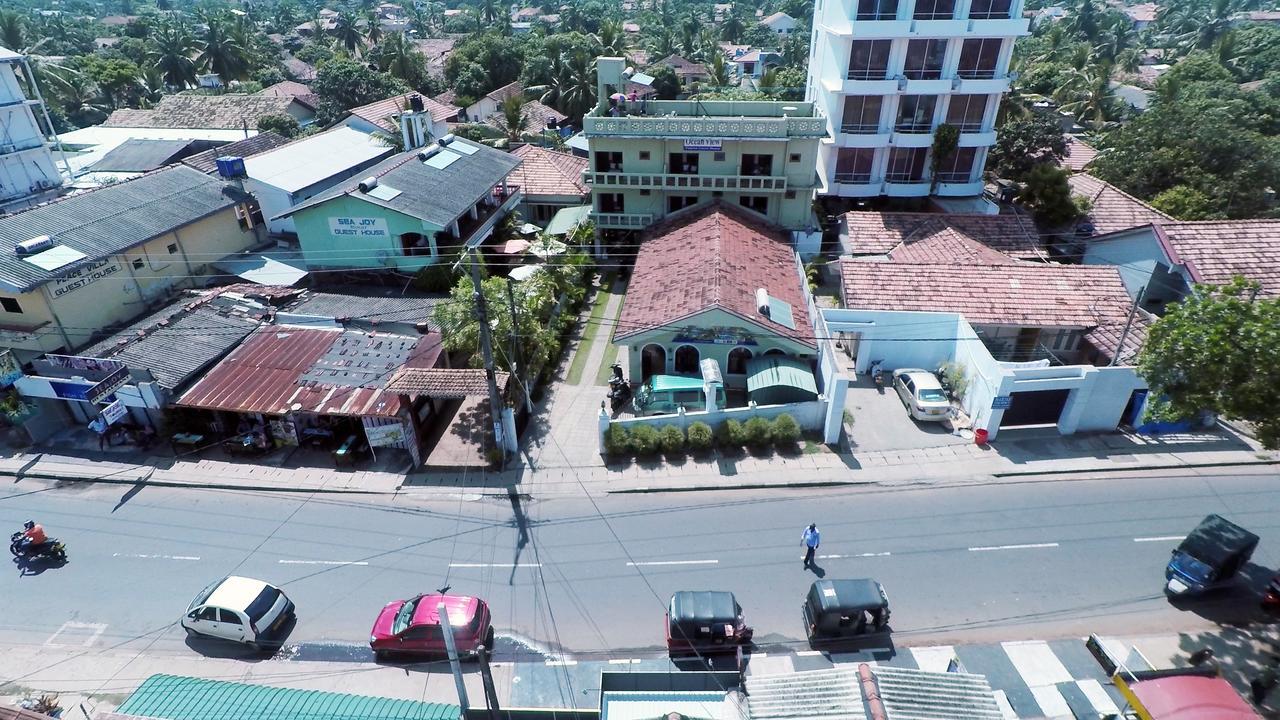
(673, 562)
(323, 562)
(71, 626)
(1162, 538)
(156, 557)
(859, 555)
(625, 661)
(561, 663)
(1026, 546)
(494, 565)
(808, 653)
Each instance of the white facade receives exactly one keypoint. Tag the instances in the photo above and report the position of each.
(887, 73)
(27, 171)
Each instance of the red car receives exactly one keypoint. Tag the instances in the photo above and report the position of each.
(412, 627)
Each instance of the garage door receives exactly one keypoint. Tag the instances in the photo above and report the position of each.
(1041, 407)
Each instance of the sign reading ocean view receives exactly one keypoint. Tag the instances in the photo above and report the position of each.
(358, 227)
(703, 144)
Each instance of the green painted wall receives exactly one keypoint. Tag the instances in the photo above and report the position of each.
(322, 248)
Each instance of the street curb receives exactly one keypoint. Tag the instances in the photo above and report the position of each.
(1135, 468)
(177, 484)
(742, 486)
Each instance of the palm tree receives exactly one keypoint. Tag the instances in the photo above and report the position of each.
(284, 17)
(397, 56)
(1198, 25)
(689, 28)
(418, 22)
(373, 31)
(663, 44)
(513, 120)
(1056, 43)
(347, 31)
(1087, 94)
(83, 101)
(733, 26)
(719, 72)
(150, 86)
(577, 85)
(13, 30)
(571, 18)
(221, 51)
(612, 39)
(768, 82)
(488, 11)
(171, 51)
(1114, 40)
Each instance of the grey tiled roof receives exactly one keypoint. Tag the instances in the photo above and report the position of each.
(204, 328)
(369, 308)
(437, 196)
(103, 222)
(203, 111)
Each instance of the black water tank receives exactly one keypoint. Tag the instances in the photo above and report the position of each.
(415, 103)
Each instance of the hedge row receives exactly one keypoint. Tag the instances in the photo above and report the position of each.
(647, 440)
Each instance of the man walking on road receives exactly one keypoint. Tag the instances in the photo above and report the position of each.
(811, 538)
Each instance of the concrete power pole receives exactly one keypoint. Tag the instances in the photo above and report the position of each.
(451, 645)
(496, 406)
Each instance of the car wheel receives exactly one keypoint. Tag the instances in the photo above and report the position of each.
(381, 656)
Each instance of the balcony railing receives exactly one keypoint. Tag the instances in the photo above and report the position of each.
(914, 128)
(661, 181)
(926, 74)
(869, 74)
(860, 128)
(714, 118)
(905, 178)
(878, 15)
(955, 176)
(622, 221)
(976, 74)
(473, 231)
(853, 178)
(948, 14)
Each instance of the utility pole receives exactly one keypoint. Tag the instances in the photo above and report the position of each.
(1124, 334)
(496, 406)
(517, 365)
(490, 690)
(451, 645)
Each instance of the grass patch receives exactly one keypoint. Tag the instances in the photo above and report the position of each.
(591, 331)
(610, 353)
(812, 448)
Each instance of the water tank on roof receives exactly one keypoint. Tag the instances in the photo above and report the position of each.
(230, 166)
(415, 103)
(40, 243)
(445, 140)
(368, 184)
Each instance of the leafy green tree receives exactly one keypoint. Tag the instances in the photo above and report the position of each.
(172, 48)
(116, 79)
(791, 82)
(471, 84)
(372, 28)
(1087, 94)
(13, 30)
(347, 31)
(343, 84)
(945, 141)
(396, 56)
(283, 125)
(1023, 144)
(1184, 203)
(222, 52)
(666, 83)
(719, 72)
(1046, 192)
(1219, 350)
(499, 58)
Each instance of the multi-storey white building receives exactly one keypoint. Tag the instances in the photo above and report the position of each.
(27, 171)
(887, 73)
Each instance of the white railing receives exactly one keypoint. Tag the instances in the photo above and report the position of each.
(677, 181)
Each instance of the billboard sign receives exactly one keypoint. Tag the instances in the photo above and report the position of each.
(10, 371)
(108, 385)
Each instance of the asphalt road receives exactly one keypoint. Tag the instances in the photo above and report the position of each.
(972, 564)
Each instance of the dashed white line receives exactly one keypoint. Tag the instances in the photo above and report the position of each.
(858, 555)
(673, 562)
(1026, 546)
(494, 565)
(156, 557)
(624, 661)
(561, 663)
(323, 562)
(1162, 538)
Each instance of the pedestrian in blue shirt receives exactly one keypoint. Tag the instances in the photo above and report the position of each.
(811, 538)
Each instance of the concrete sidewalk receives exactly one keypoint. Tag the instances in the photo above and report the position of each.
(1017, 454)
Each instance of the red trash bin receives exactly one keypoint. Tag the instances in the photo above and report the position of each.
(980, 436)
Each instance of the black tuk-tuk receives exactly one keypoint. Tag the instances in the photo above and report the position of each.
(1211, 554)
(839, 609)
(701, 621)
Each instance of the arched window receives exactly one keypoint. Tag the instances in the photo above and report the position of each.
(738, 358)
(687, 359)
(653, 361)
(775, 351)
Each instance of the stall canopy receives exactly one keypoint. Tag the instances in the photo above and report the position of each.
(566, 219)
(283, 268)
(777, 380)
(1185, 697)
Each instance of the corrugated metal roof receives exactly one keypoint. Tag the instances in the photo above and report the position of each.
(106, 221)
(265, 374)
(386, 309)
(769, 371)
(141, 155)
(907, 694)
(207, 161)
(186, 698)
(435, 195)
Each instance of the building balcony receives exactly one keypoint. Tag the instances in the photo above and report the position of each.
(621, 221)
(912, 136)
(474, 231)
(906, 186)
(924, 85)
(863, 136)
(980, 82)
(856, 185)
(712, 118)
(977, 138)
(860, 86)
(1000, 27)
(890, 27)
(959, 187)
(668, 181)
(940, 28)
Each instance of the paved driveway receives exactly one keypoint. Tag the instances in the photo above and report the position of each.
(880, 422)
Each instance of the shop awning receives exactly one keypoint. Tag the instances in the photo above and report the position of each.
(1185, 697)
(777, 379)
(566, 219)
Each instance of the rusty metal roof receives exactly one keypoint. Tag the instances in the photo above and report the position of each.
(269, 373)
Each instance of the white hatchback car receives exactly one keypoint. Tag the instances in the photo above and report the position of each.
(242, 610)
(922, 394)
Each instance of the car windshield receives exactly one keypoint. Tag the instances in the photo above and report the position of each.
(1193, 568)
(262, 604)
(204, 594)
(405, 616)
(932, 395)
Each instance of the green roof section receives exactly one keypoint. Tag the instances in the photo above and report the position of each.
(172, 697)
(662, 383)
(566, 219)
(777, 379)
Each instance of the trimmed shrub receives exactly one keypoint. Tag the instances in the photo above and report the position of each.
(617, 441)
(731, 434)
(645, 440)
(671, 440)
(700, 436)
(786, 430)
(758, 431)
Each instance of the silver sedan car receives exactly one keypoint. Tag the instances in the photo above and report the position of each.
(922, 394)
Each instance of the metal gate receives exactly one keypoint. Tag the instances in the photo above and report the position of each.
(1037, 407)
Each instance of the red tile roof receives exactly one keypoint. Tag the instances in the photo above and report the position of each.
(207, 161)
(937, 242)
(536, 116)
(1215, 251)
(289, 88)
(1113, 209)
(266, 374)
(1022, 294)
(549, 172)
(1079, 154)
(444, 382)
(684, 68)
(385, 112)
(715, 256)
(877, 233)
